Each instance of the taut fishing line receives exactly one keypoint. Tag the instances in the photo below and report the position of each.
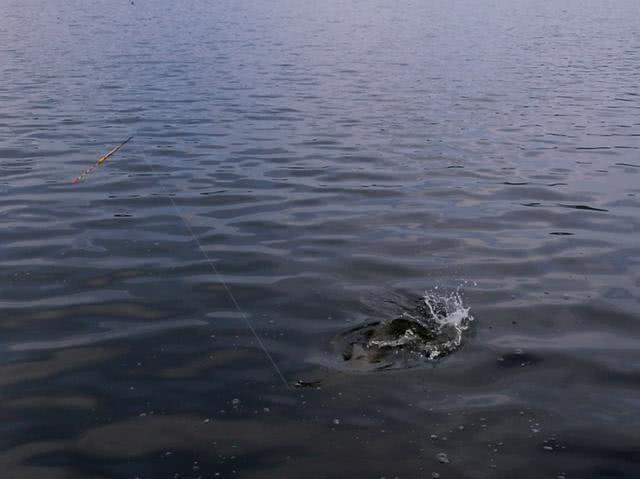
(219, 277)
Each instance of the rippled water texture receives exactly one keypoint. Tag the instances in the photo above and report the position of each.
(334, 160)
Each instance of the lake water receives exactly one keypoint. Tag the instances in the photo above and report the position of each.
(331, 161)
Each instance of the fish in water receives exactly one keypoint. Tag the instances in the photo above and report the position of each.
(431, 330)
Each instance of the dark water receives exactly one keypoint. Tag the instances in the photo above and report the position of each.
(332, 158)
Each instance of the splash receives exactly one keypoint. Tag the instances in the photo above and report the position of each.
(432, 329)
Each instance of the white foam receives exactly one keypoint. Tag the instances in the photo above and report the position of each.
(453, 320)
(455, 313)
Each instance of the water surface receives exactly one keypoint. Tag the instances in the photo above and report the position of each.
(333, 160)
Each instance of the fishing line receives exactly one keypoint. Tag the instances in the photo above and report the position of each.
(219, 276)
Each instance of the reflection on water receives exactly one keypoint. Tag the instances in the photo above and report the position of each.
(334, 161)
